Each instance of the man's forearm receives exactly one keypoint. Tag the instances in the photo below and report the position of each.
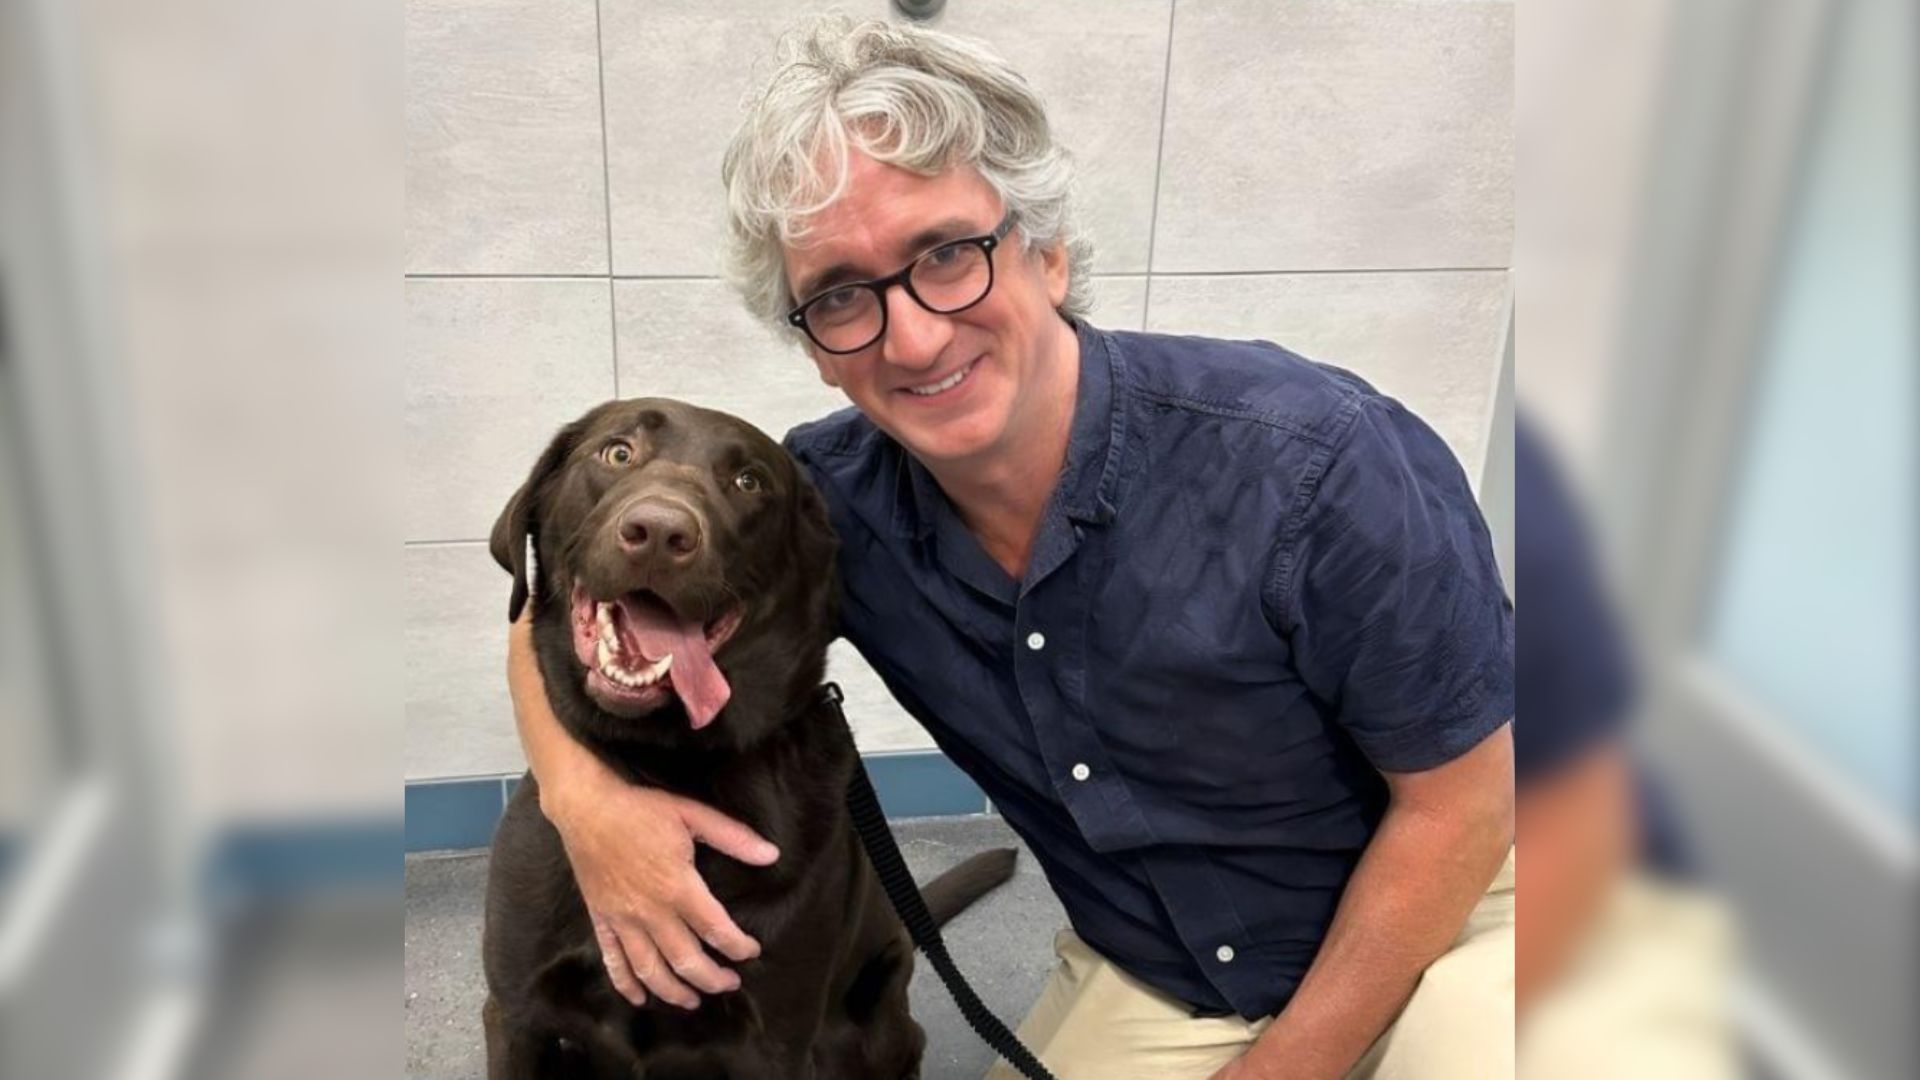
(1408, 899)
(552, 754)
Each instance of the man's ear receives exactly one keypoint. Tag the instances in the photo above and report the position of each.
(515, 525)
(1056, 268)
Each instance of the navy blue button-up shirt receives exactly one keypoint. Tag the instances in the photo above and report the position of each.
(1258, 584)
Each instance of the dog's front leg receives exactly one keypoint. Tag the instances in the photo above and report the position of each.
(508, 1058)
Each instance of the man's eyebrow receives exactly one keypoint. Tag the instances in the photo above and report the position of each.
(837, 274)
(840, 273)
(951, 229)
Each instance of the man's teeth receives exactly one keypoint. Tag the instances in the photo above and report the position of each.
(947, 383)
(607, 655)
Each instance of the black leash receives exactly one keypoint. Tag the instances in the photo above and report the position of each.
(884, 853)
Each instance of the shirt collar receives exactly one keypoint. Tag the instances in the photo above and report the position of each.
(1092, 469)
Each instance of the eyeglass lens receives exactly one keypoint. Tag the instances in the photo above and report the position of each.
(944, 280)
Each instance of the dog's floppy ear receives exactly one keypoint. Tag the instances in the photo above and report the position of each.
(515, 525)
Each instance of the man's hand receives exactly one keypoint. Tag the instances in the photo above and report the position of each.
(631, 849)
(632, 853)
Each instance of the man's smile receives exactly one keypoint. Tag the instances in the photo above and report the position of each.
(938, 387)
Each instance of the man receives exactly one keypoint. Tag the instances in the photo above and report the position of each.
(1217, 629)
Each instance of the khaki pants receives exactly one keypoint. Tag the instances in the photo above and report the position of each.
(1647, 997)
(1095, 1022)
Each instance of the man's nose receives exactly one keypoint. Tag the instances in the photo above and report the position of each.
(657, 530)
(915, 336)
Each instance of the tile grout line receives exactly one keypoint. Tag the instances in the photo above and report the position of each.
(502, 275)
(1159, 164)
(1329, 271)
(1284, 272)
(606, 194)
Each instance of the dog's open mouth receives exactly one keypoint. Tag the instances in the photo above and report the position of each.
(639, 651)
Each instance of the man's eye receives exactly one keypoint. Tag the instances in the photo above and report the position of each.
(837, 301)
(944, 256)
(748, 480)
(617, 454)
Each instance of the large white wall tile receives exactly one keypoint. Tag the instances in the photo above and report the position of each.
(1100, 66)
(459, 716)
(1432, 340)
(494, 368)
(677, 72)
(1119, 303)
(1338, 134)
(504, 167)
(694, 340)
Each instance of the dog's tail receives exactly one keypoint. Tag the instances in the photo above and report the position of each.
(952, 892)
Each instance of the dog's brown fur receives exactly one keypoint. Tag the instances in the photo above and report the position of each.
(827, 998)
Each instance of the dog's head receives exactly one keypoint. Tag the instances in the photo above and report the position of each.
(684, 574)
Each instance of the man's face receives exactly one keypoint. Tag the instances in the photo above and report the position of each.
(999, 347)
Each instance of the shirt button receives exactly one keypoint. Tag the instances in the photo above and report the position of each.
(1224, 954)
(1081, 772)
(1036, 641)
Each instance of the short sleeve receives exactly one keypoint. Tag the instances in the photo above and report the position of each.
(1572, 667)
(1385, 586)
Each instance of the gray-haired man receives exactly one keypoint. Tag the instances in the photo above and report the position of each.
(1218, 629)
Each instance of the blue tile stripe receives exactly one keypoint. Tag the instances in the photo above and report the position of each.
(257, 862)
(461, 813)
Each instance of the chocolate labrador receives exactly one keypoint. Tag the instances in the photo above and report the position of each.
(683, 599)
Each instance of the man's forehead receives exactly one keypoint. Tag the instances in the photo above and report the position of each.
(883, 202)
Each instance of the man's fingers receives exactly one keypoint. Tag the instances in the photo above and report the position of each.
(689, 961)
(654, 973)
(727, 836)
(717, 928)
(619, 971)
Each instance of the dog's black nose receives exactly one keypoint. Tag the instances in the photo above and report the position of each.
(661, 530)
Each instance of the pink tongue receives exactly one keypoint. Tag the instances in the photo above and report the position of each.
(659, 632)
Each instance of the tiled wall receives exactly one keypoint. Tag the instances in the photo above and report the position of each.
(1336, 175)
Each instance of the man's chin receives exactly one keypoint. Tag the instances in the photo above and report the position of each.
(966, 438)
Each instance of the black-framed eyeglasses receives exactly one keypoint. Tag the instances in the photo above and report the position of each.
(946, 280)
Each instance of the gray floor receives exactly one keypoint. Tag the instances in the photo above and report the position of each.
(1003, 944)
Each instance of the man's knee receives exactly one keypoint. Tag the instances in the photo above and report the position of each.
(1458, 1025)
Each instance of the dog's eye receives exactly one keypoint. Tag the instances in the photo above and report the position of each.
(617, 454)
(749, 480)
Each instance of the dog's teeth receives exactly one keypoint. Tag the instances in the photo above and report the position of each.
(605, 655)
